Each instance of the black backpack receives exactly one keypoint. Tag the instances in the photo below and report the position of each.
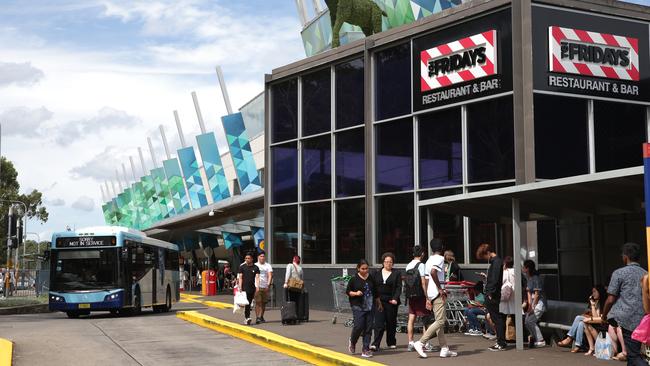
(412, 282)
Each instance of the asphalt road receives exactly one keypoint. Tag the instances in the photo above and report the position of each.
(149, 339)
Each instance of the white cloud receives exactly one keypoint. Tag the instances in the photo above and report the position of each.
(102, 166)
(54, 202)
(84, 203)
(21, 74)
(106, 119)
(24, 121)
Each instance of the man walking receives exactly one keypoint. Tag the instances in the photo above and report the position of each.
(436, 298)
(493, 284)
(625, 300)
(248, 280)
(266, 279)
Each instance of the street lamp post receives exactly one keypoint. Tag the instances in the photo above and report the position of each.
(24, 227)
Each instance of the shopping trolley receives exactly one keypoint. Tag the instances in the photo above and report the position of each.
(341, 300)
(459, 294)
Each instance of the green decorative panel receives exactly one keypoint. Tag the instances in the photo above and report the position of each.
(162, 193)
(176, 186)
(150, 201)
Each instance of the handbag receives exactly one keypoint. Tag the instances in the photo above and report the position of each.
(295, 284)
(642, 332)
(510, 328)
(604, 347)
(506, 291)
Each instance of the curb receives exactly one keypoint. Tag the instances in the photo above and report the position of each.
(25, 309)
(275, 342)
(6, 352)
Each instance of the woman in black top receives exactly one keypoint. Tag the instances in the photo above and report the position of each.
(389, 289)
(361, 292)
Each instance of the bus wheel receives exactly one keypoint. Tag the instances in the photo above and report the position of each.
(72, 314)
(113, 311)
(168, 300)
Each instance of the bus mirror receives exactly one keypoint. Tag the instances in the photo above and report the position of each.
(139, 250)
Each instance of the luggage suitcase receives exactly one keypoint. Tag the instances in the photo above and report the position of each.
(303, 307)
(288, 313)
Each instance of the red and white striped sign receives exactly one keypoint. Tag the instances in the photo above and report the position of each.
(574, 51)
(447, 64)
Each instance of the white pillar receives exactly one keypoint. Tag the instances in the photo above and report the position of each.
(179, 128)
(153, 154)
(199, 116)
(224, 90)
(302, 12)
(164, 140)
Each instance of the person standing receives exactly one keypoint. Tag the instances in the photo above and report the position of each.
(388, 282)
(266, 279)
(536, 303)
(452, 269)
(507, 303)
(248, 281)
(624, 305)
(294, 270)
(361, 293)
(493, 284)
(436, 298)
(415, 288)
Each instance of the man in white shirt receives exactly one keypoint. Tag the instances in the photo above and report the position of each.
(436, 298)
(265, 280)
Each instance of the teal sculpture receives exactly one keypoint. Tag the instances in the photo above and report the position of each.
(363, 13)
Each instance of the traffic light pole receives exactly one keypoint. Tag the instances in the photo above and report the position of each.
(6, 276)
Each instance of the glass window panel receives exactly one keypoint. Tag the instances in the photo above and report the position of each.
(285, 173)
(490, 140)
(394, 162)
(316, 102)
(395, 226)
(440, 145)
(284, 222)
(499, 236)
(284, 110)
(350, 230)
(393, 82)
(553, 148)
(619, 132)
(317, 233)
(547, 241)
(486, 187)
(316, 168)
(437, 193)
(349, 93)
(449, 228)
(350, 163)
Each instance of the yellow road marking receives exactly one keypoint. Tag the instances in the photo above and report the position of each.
(275, 342)
(6, 352)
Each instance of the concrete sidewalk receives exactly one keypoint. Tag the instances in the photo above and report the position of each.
(320, 332)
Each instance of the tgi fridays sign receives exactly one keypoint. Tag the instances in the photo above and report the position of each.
(454, 69)
(593, 54)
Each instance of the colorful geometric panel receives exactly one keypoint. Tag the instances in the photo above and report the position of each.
(214, 172)
(317, 36)
(240, 151)
(231, 240)
(124, 217)
(141, 212)
(150, 201)
(192, 175)
(176, 186)
(258, 237)
(115, 219)
(162, 192)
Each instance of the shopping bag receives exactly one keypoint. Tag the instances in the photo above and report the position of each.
(240, 298)
(642, 332)
(605, 349)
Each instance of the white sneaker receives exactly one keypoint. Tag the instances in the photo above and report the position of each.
(418, 348)
(410, 346)
(429, 347)
(540, 344)
(446, 352)
(392, 346)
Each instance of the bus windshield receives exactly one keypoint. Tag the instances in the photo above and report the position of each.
(84, 269)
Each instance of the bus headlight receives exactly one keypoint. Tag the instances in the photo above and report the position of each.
(55, 298)
(112, 297)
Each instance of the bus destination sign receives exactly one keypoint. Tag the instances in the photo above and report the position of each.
(85, 242)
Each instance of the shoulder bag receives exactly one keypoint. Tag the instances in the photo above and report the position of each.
(295, 284)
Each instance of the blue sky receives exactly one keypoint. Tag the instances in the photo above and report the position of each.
(83, 83)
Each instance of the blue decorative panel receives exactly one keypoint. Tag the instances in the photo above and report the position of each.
(192, 175)
(150, 201)
(258, 236)
(162, 193)
(240, 151)
(231, 240)
(214, 172)
(176, 186)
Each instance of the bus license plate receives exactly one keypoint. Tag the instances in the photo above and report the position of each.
(84, 306)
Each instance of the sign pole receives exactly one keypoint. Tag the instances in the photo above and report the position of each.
(646, 181)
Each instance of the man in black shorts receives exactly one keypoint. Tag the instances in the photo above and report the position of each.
(248, 280)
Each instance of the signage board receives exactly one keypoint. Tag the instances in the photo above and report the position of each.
(85, 242)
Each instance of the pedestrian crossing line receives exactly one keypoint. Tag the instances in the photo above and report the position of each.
(275, 342)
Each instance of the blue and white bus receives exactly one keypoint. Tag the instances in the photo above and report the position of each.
(111, 268)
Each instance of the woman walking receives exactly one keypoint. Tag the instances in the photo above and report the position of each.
(388, 282)
(294, 275)
(361, 292)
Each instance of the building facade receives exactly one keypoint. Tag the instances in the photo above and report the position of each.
(518, 124)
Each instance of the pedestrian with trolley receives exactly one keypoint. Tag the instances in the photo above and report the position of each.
(388, 283)
(293, 280)
(436, 298)
(493, 284)
(248, 281)
(262, 295)
(362, 295)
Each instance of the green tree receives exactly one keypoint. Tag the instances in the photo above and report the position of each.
(9, 191)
